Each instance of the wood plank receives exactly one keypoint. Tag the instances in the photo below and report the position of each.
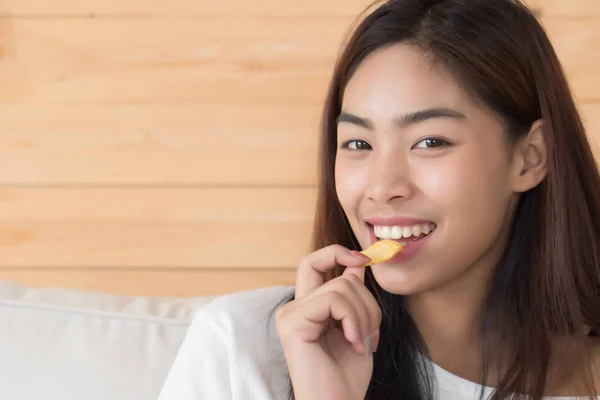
(158, 145)
(577, 43)
(261, 61)
(191, 283)
(562, 8)
(188, 8)
(591, 120)
(154, 228)
(183, 8)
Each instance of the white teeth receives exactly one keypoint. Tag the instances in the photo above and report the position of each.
(426, 229)
(399, 232)
(377, 230)
(386, 231)
(416, 230)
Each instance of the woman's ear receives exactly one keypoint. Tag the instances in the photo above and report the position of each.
(530, 159)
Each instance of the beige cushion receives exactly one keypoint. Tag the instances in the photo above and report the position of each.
(70, 345)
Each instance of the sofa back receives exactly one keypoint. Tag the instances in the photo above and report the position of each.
(71, 345)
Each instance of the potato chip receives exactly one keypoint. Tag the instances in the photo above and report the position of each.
(382, 251)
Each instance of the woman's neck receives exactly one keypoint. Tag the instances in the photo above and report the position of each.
(451, 322)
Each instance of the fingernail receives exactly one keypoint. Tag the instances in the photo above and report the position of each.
(360, 256)
(368, 346)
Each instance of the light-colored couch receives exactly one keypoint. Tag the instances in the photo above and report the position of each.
(58, 344)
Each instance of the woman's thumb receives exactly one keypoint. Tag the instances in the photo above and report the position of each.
(359, 271)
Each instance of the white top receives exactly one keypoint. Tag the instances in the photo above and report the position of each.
(232, 352)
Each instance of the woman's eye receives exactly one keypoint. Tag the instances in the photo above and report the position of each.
(431, 142)
(356, 145)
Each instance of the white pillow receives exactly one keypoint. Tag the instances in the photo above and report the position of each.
(73, 345)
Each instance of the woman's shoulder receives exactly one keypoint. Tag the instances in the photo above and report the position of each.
(232, 350)
(255, 301)
(251, 311)
(243, 320)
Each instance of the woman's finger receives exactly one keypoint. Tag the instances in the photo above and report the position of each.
(317, 312)
(354, 290)
(312, 267)
(367, 301)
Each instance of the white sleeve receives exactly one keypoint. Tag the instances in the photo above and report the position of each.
(230, 352)
(200, 370)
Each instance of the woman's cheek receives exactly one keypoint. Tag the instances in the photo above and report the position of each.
(444, 184)
(351, 181)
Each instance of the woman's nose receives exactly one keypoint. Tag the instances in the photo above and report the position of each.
(389, 180)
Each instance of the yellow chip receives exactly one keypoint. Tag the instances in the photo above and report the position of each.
(382, 251)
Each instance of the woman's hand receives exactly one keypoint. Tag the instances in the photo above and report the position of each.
(329, 360)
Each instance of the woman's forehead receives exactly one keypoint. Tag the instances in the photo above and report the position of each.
(401, 79)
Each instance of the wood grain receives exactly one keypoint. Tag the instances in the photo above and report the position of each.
(566, 8)
(591, 119)
(228, 61)
(158, 145)
(154, 228)
(183, 8)
(261, 61)
(188, 8)
(577, 44)
(189, 283)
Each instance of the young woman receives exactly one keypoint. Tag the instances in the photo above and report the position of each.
(449, 126)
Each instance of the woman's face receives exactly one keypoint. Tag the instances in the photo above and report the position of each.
(419, 161)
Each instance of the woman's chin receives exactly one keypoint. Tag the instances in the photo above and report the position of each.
(399, 281)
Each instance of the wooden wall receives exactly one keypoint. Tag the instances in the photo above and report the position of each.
(158, 147)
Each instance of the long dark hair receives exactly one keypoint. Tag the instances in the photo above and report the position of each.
(547, 284)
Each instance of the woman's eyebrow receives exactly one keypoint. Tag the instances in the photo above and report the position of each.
(404, 120)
